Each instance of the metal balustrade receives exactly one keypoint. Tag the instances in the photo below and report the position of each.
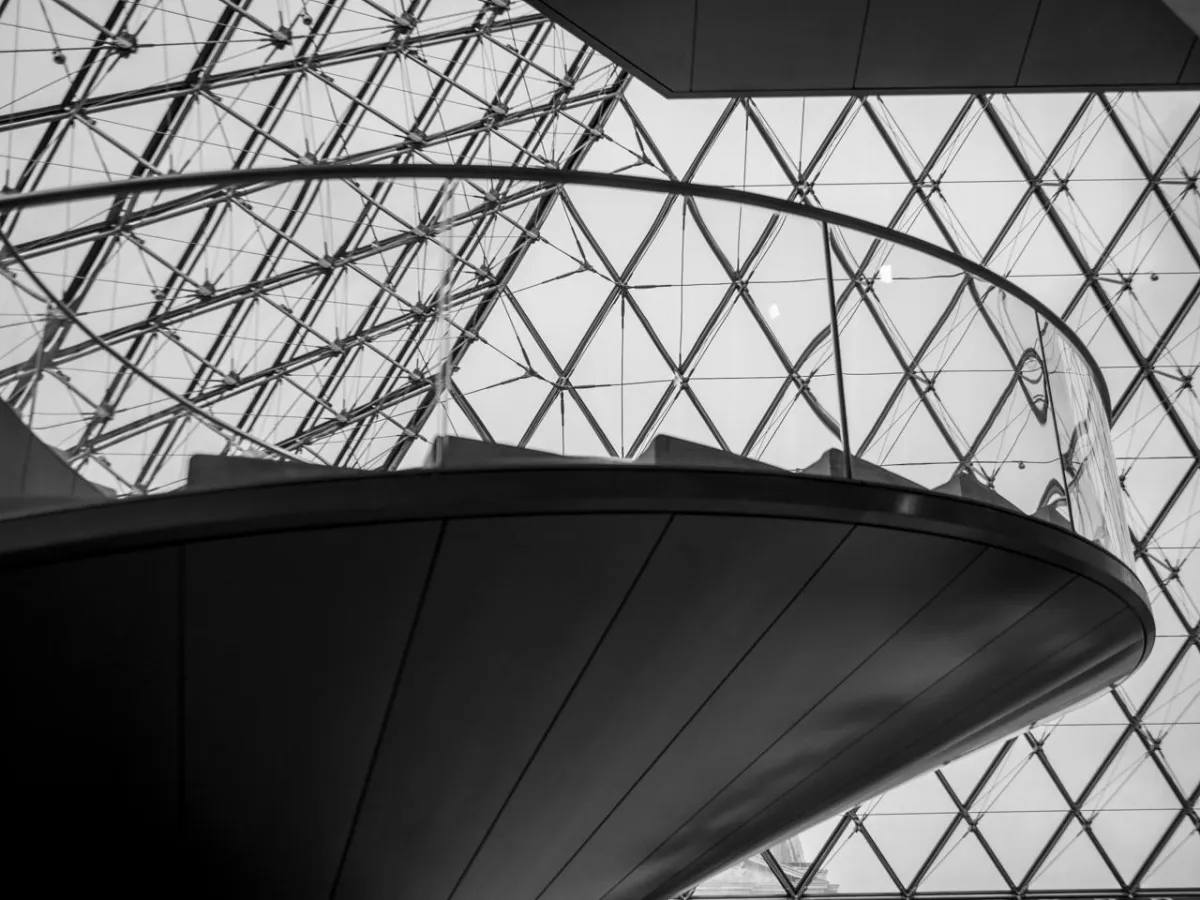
(811, 347)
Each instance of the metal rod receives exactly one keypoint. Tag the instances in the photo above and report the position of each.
(837, 353)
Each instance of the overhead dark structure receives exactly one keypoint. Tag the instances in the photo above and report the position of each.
(518, 676)
(719, 48)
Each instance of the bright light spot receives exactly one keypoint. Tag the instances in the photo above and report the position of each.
(885, 274)
(773, 312)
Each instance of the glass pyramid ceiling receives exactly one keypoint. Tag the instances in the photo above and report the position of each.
(293, 312)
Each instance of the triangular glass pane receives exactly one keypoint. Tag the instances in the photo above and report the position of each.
(621, 149)
(922, 795)
(621, 351)
(683, 420)
(677, 128)
(738, 406)
(1179, 698)
(1154, 119)
(907, 439)
(978, 153)
(1177, 534)
(1093, 214)
(1154, 469)
(680, 253)
(906, 841)
(1182, 344)
(618, 222)
(920, 124)
(965, 773)
(567, 431)
(1138, 686)
(1186, 593)
(1073, 863)
(1018, 838)
(768, 164)
(793, 858)
(1131, 781)
(797, 315)
(1181, 752)
(1036, 258)
(1096, 150)
(855, 868)
(736, 230)
(739, 158)
(1076, 751)
(737, 348)
(802, 124)
(919, 297)
(1178, 865)
(861, 149)
(563, 309)
(1038, 123)
(563, 250)
(1185, 200)
(624, 413)
(962, 865)
(1021, 784)
(980, 210)
(795, 434)
(505, 350)
(678, 284)
(819, 840)
(1170, 618)
(1159, 267)
(881, 202)
(508, 409)
(1128, 836)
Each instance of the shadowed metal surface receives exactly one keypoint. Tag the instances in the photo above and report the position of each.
(573, 681)
(763, 47)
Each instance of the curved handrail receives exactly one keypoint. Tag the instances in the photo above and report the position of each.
(331, 171)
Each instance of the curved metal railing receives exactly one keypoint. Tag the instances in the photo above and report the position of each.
(779, 331)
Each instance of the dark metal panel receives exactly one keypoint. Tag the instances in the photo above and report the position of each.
(1191, 69)
(651, 38)
(91, 739)
(1105, 42)
(30, 468)
(839, 46)
(944, 44)
(292, 645)
(603, 488)
(523, 601)
(775, 45)
(822, 792)
(1109, 653)
(859, 600)
(515, 609)
(688, 623)
(1045, 647)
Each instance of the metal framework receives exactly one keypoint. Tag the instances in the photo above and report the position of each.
(301, 315)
